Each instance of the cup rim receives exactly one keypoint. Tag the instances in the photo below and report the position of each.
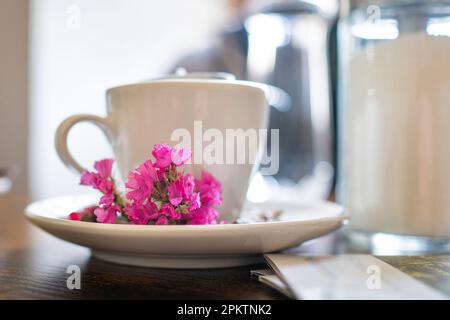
(263, 88)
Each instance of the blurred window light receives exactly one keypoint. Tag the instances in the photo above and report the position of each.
(379, 29)
(258, 191)
(389, 244)
(268, 28)
(266, 32)
(5, 185)
(439, 27)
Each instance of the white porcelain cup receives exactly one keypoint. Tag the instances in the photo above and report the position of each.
(144, 114)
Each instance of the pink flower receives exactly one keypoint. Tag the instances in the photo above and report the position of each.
(176, 192)
(75, 216)
(94, 180)
(158, 192)
(182, 189)
(181, 156)
(107, 199)
(194, 201)
(88, 179)
(210, 190)
(141, 181)
(83, 213)
(188, 182)
(163, 155)
(209, 194)
(104, 167)
(203, 215)
(100, 180)
(107, 214)
(162, 220)
(168, 211)
(141, 213)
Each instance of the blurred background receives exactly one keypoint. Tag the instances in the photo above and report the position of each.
(58, 57)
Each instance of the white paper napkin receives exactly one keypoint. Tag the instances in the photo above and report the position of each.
(345, 277)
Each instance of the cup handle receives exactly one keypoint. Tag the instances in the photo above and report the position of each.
(63, 131)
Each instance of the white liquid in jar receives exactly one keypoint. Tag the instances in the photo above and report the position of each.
(396, 137)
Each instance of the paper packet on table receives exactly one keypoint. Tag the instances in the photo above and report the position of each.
(341, 277)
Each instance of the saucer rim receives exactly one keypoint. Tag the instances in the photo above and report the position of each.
(31, 213)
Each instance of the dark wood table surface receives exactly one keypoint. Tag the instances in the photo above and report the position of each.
(33, 265)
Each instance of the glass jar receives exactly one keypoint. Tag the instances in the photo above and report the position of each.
(394, 124)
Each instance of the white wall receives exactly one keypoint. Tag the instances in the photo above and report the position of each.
(13, 89)
(79, 48)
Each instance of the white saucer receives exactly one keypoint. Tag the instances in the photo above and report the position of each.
(182, 247)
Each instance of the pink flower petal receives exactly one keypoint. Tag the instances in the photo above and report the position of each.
(87, 178)
(107, 199)
(104, 167)
(162, 154)
(106, 186)
(75, 216)
(162, 220)
(140, 182)
(140, 213)
(188, 185)
(203, 215)
(194, 201)
(210, 189)
(169, 212)
(175, 193)
(181, 156)
(98, 181)
(106, 214)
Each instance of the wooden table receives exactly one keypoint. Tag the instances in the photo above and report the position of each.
(33, 265)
